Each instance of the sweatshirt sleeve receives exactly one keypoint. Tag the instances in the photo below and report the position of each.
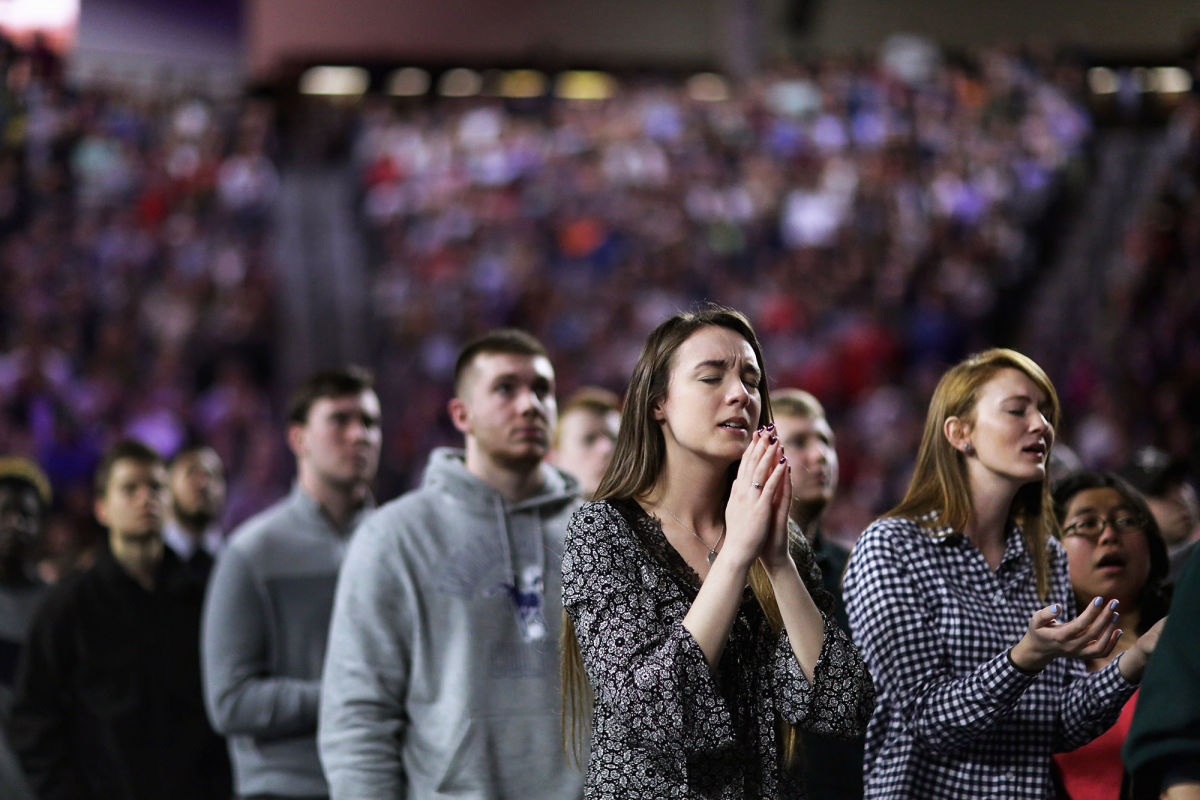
(241, 694)
(1163, 736)
(909, 658)
(366, 672)
(644, 666)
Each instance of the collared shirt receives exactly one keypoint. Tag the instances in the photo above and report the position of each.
(185, 545)
(954, 717)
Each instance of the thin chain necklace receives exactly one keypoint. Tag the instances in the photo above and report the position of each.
(712, 551)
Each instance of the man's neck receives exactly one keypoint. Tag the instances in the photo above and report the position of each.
(339, 504)
(514, 482)
(139, 557)
(193, 529)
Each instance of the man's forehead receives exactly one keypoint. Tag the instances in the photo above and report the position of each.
(132, 469)
(493, 365)
(367, 400)
(804, 423)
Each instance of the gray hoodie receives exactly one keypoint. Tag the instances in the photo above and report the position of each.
(441, 676)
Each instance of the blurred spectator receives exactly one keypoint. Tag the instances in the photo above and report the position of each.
(1171, 498)
(1114, 550)
(1161, 750)
(266, 616)
(196, 478)
(585, 435)
(24, 503)
(108, 701)
(834, 766)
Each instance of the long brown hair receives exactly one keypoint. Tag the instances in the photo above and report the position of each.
(638, 458)
(939, 482)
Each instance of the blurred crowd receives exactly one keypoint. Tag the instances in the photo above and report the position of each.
(877, 221)
(135, 284)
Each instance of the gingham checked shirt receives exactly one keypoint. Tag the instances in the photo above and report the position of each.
(953, 717)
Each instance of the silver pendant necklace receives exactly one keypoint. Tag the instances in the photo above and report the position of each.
(712, 551)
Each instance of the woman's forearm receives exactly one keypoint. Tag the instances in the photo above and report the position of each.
(803, 621)
(710, 619)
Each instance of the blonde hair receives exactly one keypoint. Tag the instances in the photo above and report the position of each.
(638, 458)
(939, 482)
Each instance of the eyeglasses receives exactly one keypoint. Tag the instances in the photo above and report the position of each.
(1091, 528)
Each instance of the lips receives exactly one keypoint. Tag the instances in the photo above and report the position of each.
(1037, 448)
(737, 424)
(1110, 560)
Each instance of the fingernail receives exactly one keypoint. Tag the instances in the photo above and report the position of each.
(1119, 632)
(771, 427)
(773, 439)
(1116, 616)
(1054, 610)
(783, 459)
(1098, 601)
(759, 431)
(1113, 605)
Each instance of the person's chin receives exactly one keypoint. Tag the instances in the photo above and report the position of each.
(526, 457)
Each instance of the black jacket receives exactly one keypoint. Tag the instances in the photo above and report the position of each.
(108, 701)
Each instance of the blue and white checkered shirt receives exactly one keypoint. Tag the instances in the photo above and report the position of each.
(954, 718)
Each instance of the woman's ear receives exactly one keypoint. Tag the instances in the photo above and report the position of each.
(958, 433)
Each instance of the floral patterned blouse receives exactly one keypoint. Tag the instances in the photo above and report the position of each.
(663, 725)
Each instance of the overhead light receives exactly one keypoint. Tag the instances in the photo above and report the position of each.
(408, 82)
(460, 82)
(581, 84)
(708, 87)
(1171, 80)
(520, 83)
(1102, 80)
(340, 81)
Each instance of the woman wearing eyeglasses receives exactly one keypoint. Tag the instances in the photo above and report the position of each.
(1114, 549)
(960, 602)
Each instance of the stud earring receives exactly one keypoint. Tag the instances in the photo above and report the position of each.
(968, 448)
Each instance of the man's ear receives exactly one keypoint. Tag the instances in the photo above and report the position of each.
(100, 509)
(295, 439)
(459, 415)
(958, 432)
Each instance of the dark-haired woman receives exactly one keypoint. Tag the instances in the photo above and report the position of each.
(960, 600)
(698, 682)
(1114, 549)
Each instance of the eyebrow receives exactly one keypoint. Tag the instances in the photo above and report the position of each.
(1123, 505)
(723, 364)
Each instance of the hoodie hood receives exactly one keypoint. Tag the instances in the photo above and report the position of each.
(447, 472)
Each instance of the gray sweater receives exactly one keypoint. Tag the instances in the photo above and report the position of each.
(266, 619)
(441, 678)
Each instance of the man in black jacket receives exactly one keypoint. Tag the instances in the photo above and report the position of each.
(108, 701)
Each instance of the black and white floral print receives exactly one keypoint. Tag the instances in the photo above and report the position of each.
(663, 726)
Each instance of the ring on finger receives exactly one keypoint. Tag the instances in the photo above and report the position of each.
(757, 485)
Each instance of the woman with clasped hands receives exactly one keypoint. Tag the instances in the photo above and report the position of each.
(961, 603)
(696, 619)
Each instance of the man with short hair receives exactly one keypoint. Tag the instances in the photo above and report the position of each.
(266, 617)
(585, 436)
(835, 766)
(196, 478)
(108, 702)
(441, 678)
(24, 502)
(1172, 499)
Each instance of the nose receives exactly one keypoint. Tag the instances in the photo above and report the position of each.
(737, 393)
(530, 402)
